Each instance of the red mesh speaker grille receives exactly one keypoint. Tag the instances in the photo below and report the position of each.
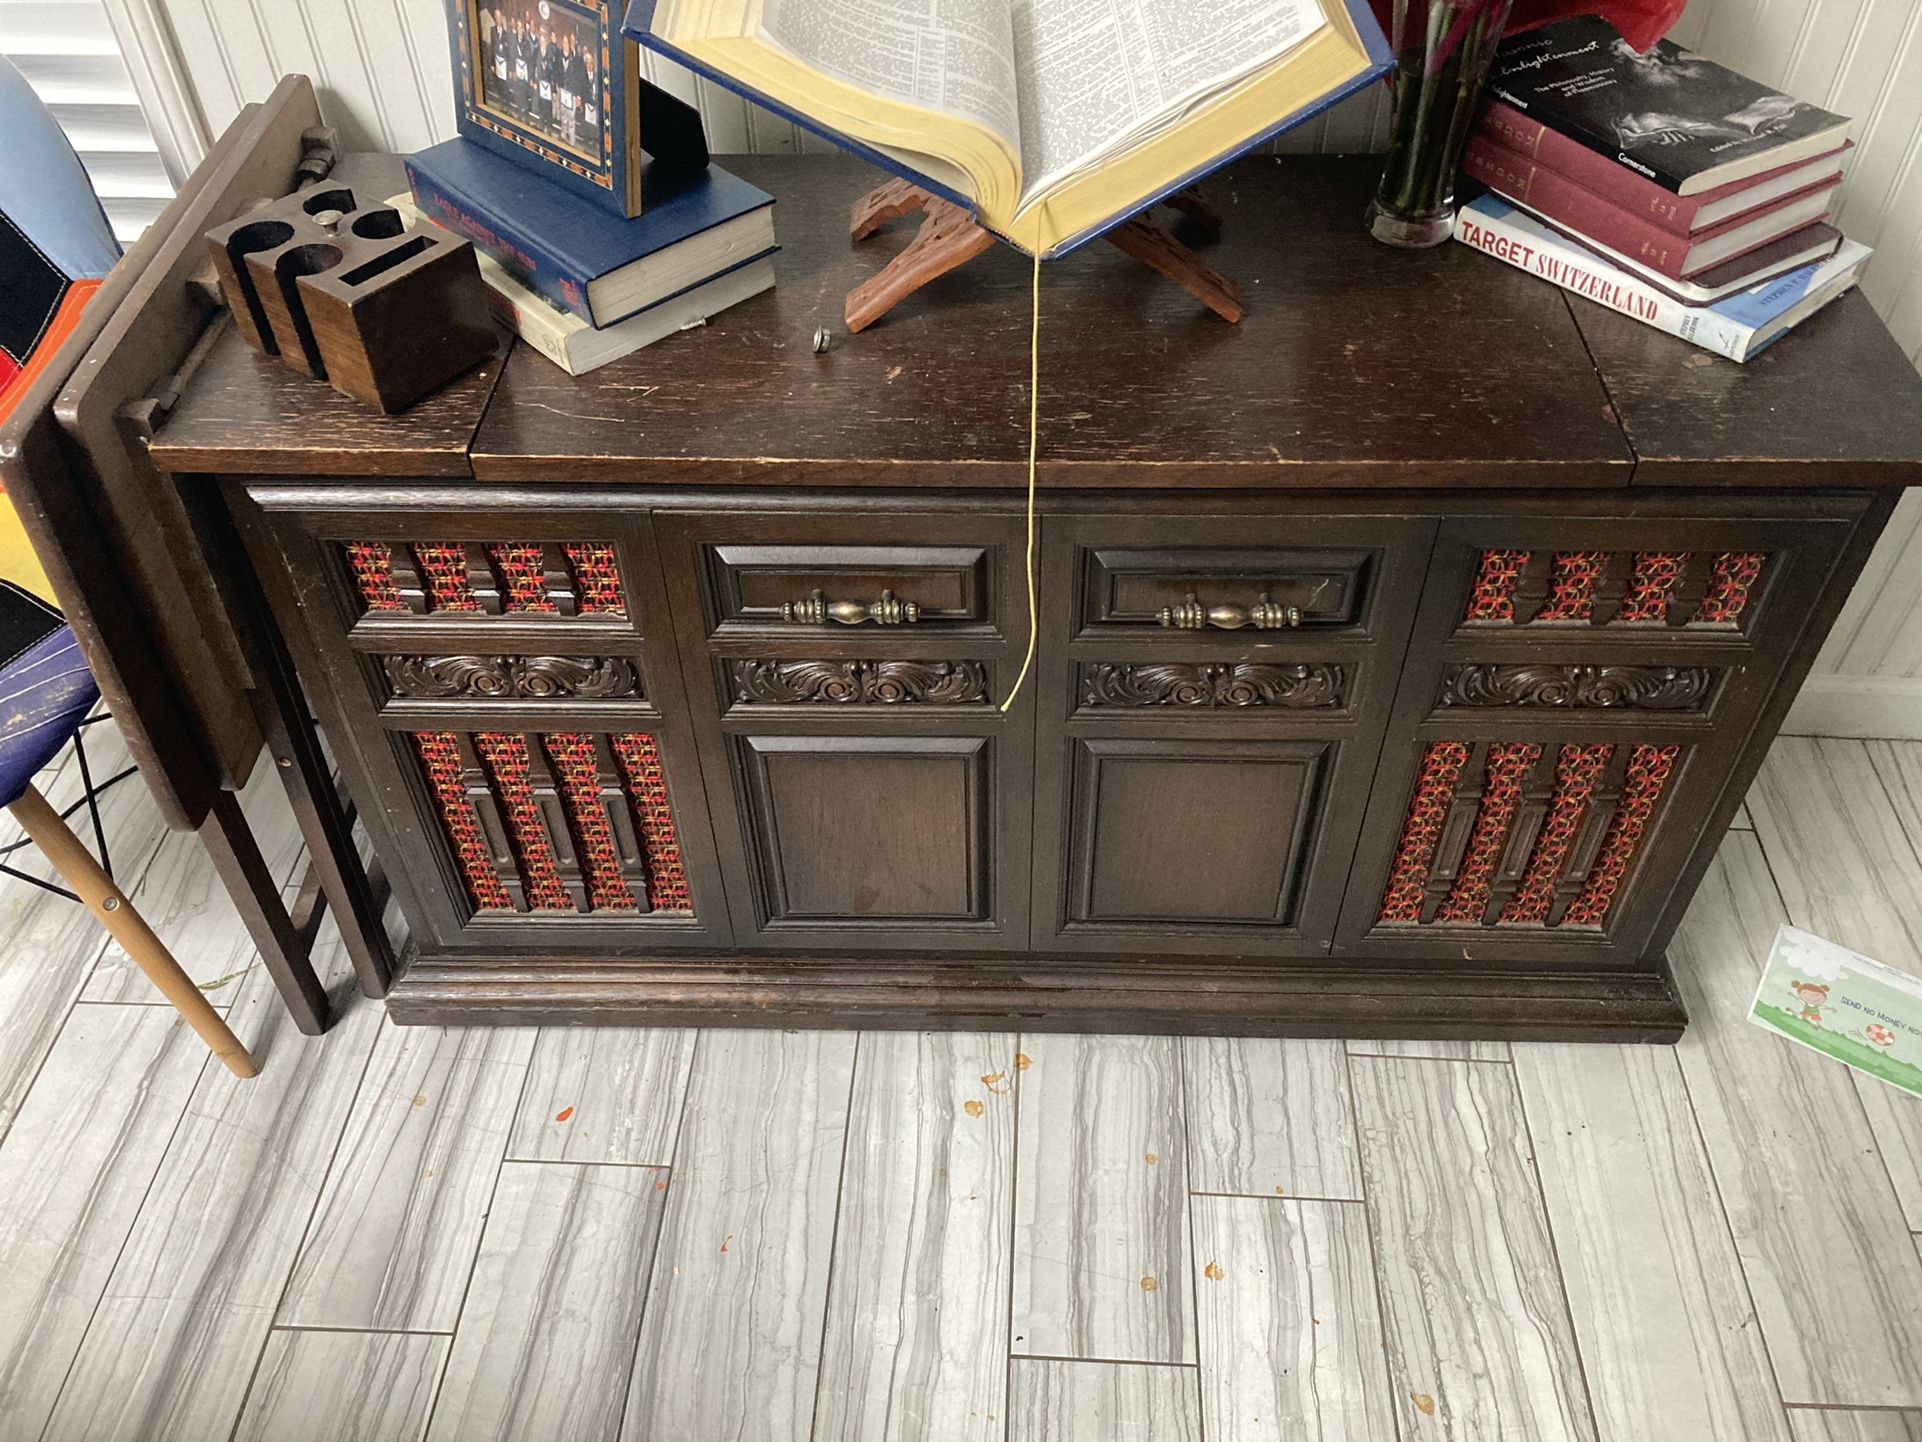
(1493, 596)
(444, 569)
(1656, 575)
(597, 580)
(1508, 767)
(578, 773)
(640, 762)
(1441, 766)
(1649, 768)
(523, 571)
(1577, 770)
(509, 768)
(1571, 586)
(373, 567)
(440, 758)
(1735, 573)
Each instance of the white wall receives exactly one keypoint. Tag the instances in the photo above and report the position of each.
(383, 71)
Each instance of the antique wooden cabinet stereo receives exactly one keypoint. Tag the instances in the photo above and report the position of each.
(1403, 652)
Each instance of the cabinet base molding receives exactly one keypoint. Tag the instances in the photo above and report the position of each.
(1353, 998)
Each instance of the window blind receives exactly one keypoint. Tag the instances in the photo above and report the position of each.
(67, 52)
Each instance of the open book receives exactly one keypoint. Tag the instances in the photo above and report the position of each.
(1050, 119)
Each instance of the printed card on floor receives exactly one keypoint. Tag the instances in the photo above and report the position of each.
(1861, 1012)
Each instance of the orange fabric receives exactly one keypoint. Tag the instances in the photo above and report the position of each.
(18, 563)
(63, 324)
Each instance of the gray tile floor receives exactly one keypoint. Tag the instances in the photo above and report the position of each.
(667, 1236)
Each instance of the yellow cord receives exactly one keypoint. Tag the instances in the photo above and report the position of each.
(1034, 432)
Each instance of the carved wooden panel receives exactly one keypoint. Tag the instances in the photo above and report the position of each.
(1515, 834)
(582, 678)
(844, 683)
(1682, 589)
(854, 831)
(476, 578)
(1311, 685)
(557, 823)
(1177, 832)
(1605, 687)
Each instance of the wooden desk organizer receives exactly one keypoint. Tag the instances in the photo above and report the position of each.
(349, 295)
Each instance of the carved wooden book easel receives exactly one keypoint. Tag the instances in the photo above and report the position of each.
(950, 237)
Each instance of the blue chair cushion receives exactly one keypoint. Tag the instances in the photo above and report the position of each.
(45, 688)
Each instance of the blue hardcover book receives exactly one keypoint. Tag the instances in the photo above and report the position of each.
(692, 226)
(1049, 139)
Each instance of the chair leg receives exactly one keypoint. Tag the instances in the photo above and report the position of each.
(112, 910)
(256, 896)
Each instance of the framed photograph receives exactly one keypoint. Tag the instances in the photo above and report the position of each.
(553, 84)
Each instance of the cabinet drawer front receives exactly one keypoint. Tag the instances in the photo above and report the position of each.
(867, 791)
(852, 585)
(844, 578)
(1227, 588)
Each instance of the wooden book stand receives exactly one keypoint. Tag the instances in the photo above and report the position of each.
(950, 237)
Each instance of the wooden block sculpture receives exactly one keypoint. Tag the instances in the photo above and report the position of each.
(347, 294)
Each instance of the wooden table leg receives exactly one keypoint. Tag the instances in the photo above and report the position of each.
(113, 911)
(256, 896)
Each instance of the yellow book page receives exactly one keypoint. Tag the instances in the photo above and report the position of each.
(970, 158)
(1084, 202)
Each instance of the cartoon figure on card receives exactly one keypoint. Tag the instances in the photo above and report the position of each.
(1813, 996)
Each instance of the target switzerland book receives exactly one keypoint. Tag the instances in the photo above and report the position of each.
(1051, 120)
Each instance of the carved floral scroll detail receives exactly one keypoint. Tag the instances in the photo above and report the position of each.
(1619, 687)
(1298, 686)
(539, 678)
(885, 683)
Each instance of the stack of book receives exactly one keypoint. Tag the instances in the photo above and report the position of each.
(580, 284)
(1662, 184)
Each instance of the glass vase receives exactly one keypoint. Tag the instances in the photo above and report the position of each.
(1443, 50)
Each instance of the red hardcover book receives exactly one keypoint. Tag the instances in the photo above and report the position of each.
(1567, 205)
(1616, 183)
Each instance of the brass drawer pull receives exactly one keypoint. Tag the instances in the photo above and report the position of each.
(1264, 615)
(817, 609)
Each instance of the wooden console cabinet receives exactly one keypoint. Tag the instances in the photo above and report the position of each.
(1403, 652)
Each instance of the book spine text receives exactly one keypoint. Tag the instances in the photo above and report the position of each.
(1603, 285)
(518, 253)
(1595, 173)
(1587, 159)
(1554, 195)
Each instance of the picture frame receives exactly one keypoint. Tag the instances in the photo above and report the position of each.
(554, 85)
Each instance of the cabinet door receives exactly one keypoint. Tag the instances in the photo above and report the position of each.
(1213, 692)
(844, 672)
(506, 705)
(1580, 711)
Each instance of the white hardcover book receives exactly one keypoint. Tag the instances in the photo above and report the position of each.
(577, 347)
(1737, 326)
